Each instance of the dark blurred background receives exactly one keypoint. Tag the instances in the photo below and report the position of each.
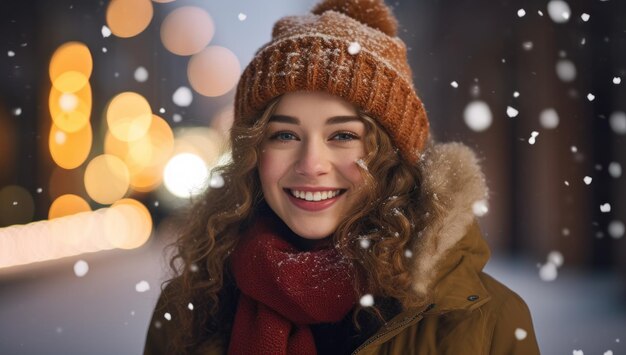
(537, 88)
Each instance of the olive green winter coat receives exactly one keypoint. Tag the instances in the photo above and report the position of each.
(468, 311)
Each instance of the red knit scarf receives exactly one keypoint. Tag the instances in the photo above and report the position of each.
(283, 291)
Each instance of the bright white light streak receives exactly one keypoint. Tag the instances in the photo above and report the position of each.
(65, 236)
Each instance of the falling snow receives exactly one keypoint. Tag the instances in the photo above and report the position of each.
(367, 300)
(615, 170)
(566, 70)
(587, 180)
(177, 117)
(521, 13)
(617, 120)
(104, 49)
(608, 352)
(182, 96)
(533, 137)
(142, 286)
(106, 32)
(480, 208)
(17, 111)
(549, 118)
(167, 316)
(141, 74)
(515, 94)
(354, 48)
(556, 258)
(520, 334)
(585, 17)
(190, 306)
(566, 183)
(81, 268)
(39, 190)
(573, 149)
(477, 116)
(454, 84)
(156, 203)
(548, 272)
(578, 352)
(162, 110)
(511, 112)
(364, 243)
(591, 97)
(616, 229)
(11, 54)
(617, 80)
(528, 45)
(559, 11)
(242, 16)
(605, 207)
(217, 181)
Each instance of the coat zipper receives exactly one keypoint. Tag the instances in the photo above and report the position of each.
(399, 325)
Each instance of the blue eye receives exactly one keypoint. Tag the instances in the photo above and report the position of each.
(283, 136)
(345, 136)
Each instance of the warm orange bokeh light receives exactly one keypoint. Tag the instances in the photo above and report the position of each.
(187, 30)
(67, 205)
(145, 157)
(70, 111)
(70, 67)
(128, 18)
(69, 150)
(214, 71)
(128, 224)
(206, 143)
(106, 179)
(129, 116)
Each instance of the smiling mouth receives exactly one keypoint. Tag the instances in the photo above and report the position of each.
(314, 196)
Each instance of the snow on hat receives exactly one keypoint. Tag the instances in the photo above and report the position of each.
(347, 48)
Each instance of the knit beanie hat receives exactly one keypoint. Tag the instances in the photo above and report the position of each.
(347, 48)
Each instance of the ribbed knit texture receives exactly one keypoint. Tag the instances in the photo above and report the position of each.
(283, 291)
(332, 51)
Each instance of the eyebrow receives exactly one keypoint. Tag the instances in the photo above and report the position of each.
(331, 120)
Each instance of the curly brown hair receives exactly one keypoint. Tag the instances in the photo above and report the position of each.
(384, 224)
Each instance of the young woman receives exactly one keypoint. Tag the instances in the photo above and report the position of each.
(341, 228)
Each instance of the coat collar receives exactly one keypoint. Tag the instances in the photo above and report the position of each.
(450, 252)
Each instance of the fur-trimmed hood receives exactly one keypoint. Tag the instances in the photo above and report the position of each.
(450, 251)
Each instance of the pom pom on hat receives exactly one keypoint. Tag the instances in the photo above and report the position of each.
(373, 13)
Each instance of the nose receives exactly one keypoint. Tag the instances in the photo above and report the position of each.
(313, 159)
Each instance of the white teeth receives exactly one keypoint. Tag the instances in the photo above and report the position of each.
(314, 196)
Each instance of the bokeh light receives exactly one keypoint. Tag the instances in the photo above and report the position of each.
(106, 179)
(70, 67)
(67, 205)
(128, 18)
(146, 157)
(163, 1)
(16, 204)
(69, 150)
(213, 71)
(187, 30)
(207, 143)
(128, 224)
(129, 116)
(186, 175)
(70, 111)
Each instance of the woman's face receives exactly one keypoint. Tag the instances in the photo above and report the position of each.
(308, 165)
